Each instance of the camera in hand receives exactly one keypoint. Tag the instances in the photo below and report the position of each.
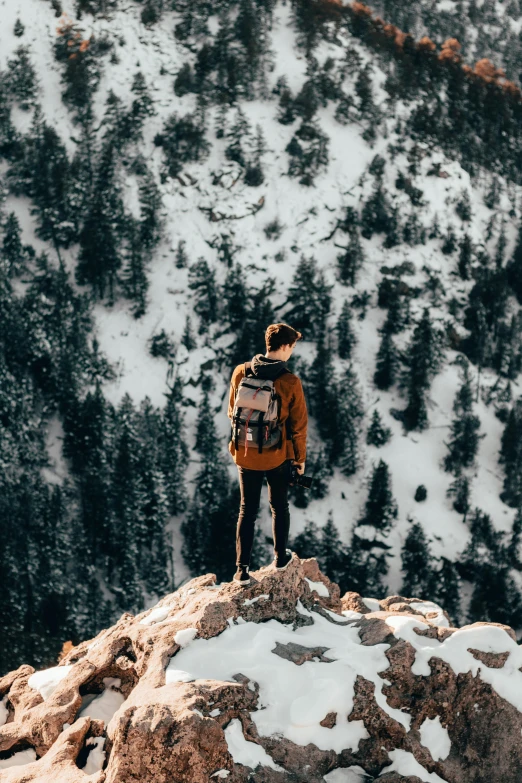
(300, 479)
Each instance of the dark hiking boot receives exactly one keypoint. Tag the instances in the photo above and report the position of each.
(282, 562)
(242, 576)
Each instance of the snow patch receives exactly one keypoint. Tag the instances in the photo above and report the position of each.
(507, 681)
(318, 587)
(157, 615)
(406, 764)
(185, 636)
(102, 706)
(47, 680)
(247, 753)
(250, 601)
(346, 775)
(428, 607)
(19, 759)
(221, 773)
(4, 712)
(435, 737)
(177, 675)
(96, 756)
(296, 699)
(372, 604)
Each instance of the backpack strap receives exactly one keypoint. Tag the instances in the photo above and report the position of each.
(248, 369)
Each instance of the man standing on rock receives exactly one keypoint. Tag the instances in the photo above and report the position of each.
(267, 409)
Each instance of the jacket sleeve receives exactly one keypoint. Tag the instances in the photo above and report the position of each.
(298, 418)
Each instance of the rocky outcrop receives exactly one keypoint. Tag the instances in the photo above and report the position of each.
(279, 681)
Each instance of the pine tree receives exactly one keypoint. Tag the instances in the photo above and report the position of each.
(310, 298)
(307, 543)
(446, 589)
(417, 565)
(21, 77)
(19, 28)
(495, 598)
(425, 356)
(348, 413)
(202, 280)
(323, 388)
(134, 277)
(12, 248)
(188, 339)
(511, 457)
(378, 435)
(381, 508)
(235, 298)
(346, 339)
(239, 135)
(127, 496)
(173, 449)
(386, 369)
(465, 257)
(351, 260)
(181, 255)
(322, 471)
(514, 551)
(464, 441)
(459, 490)
(330, 554)
(99, 257)
(364, 90)
(449, 244)
(254, 174)
(142, 105)
(308, 151)
(151, 223)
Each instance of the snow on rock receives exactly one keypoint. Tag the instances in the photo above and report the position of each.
(432, 611)
(185, 636)
(506, 681)
(406, 764)
(18, 759)
(372, 604)
(172, 674)
(4, 712)
(96, 756)
(319, 588)
(247, 753)
(436, 738)
(353, 774)
(102, 706)
(250, 601)
(156, 615)
(284, 687)
(47, 680)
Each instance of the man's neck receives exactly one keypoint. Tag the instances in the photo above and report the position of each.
(274, 355)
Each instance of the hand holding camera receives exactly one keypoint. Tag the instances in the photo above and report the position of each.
(297, 476)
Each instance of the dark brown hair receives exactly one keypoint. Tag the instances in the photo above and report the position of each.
(277, 335)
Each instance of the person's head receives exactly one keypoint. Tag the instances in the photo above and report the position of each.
(280, 341)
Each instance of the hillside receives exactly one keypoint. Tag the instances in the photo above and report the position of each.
(282, 681)
(175, 178)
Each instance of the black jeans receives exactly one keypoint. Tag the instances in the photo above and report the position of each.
(250, 483)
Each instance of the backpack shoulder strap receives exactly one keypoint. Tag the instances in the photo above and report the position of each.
(248, 369)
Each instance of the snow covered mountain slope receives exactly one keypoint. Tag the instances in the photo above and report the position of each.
(209, 211)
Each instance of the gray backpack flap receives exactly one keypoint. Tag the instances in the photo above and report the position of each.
(255, 418)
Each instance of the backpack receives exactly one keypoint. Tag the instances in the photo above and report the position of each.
(255, 417)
